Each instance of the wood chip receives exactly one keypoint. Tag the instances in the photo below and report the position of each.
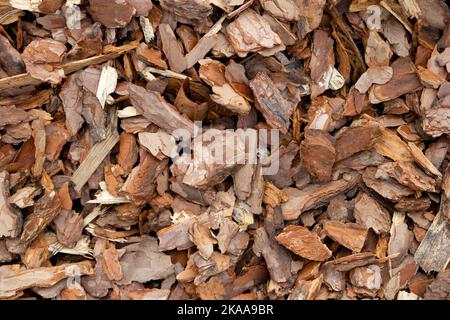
(350, 235)
(303, 243)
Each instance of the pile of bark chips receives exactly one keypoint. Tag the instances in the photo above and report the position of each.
(100, 197)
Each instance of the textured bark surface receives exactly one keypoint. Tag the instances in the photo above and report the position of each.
(224, 149)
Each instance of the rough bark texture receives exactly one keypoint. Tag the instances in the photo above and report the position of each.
(224, 149)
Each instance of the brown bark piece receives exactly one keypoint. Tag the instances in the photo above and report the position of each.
(251, 33)
(191, 11)
(429, 78)
(349, 262)
(274, 196)
(56, 136)
(388, 188)
(143, 262)
(315, 196)
(433, 252)
(160, 144)
(139, 185)
(45, 211)
(111, 264)
(142, 7)
(350, 235)
(436, 121)
(274, 107)
(242, 181)
(404, 80)
(42, 277)
(215, 166)
(310, 16)
(285, 10)
(322, 62)
(390, 145)
(69, 227)
(176, 236)
(42, 57)
(355, 139)
(172, 49)
(10, 115)
(423, 161)
(158, 111)
(439, 288)
(378, 75)
(408, 174)
(277, 259)
(11, 61)
(151, 56)
(128, 151)
(71, 97)
(318, 153)
(10, 218)
(366, 277)
(370, 214)
(378, 53)
(304, 243)
(200, 81)
(114, 14)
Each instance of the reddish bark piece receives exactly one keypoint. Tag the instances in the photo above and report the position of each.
(191, 11)
(151, 56)
(111, 264)
(172, 49)
(251, 33)
(69, 227)
(404, 80)
(42, 57)
(285, 10)
(142, 7)
(310, 15)
(390, 188)
(71, 97)
(46, 209)
(128, 152)
(115, 14)
(304, 243)
(322, 62)
(176, 236)
(371, 214)
(408, 174)
(350, 235)
(314, 196)
(41, 277)
(56, 136)
(155, 108)
(139, 185)
(318, 154)
(355, 139)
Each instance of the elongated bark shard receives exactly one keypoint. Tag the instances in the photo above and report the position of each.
(275, 108)
(433, 253)
(43, 277)
(153, 107)
(10, 218)
(304, 243)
